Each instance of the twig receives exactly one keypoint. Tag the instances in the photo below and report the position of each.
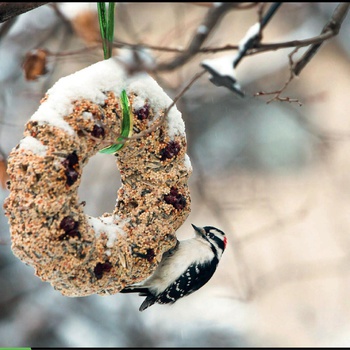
(212, 18)
(331, 28)
(258, 48)
(278, 93)
(289, 44)
(10, 10)
(7, 26)
(252, 42)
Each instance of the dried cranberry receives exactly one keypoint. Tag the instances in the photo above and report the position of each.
(72, 159)
(181, 202)
(71, 163)
(174, 191)
(143, 112)
(177, 200)
(72, 176)
(98, 131)
(150, 255)
(100, 268)
(68, 223)
(171, 150)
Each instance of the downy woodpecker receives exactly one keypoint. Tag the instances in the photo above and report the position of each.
(184, 269)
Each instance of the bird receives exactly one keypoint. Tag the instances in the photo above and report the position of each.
(183, 269)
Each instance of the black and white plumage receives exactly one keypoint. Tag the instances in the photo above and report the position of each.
(184, 269)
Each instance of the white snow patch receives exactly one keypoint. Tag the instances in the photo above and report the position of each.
(176, 125)
(202, 29)
(87, 115)
(32, 144)
(138, 103)
(109, 226)
(187, 162)
(90, 83)
(223, 65)
(252, 32)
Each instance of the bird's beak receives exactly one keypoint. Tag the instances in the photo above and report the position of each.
(198, 230)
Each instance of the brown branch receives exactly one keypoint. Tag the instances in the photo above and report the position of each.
(260, 47)
(10, 10)
(332, 27)
(212, 18)
(238, 6)
(289, 44)
(278, 93)
(256, 50)
(5, 28)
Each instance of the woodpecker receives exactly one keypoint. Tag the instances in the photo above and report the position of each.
(184, 269)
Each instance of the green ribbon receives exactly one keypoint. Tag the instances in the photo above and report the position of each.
(126, 127)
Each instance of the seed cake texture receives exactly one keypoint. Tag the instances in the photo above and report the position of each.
(81, 114)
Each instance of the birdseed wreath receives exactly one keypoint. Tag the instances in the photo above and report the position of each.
(82, 114)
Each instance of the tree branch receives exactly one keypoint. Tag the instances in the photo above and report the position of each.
(10, 10)
(212, 18)
(332, 27)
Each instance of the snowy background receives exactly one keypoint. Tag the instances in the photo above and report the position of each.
(273, 176)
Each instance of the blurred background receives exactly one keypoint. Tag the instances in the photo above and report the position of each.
(273, 175)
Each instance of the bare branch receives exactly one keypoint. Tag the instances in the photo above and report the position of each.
(7, 26)
(254, 40)
(332, 27)
(278, 93)
(212, 18)
(9, 10)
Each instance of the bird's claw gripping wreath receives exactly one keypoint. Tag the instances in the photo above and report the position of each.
(81, 115)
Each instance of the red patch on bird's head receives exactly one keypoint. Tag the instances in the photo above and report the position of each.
(225, 241)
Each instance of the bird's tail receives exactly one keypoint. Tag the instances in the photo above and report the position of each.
(143, 291)
(150, 300)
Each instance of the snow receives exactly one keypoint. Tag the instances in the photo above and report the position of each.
(107, 225)
(222, 69)
(187, 163)
(91, 82)
(222, 65)
(176, 125)
(252, 32)
(202, 29)
(32, 144)
(87, 115)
